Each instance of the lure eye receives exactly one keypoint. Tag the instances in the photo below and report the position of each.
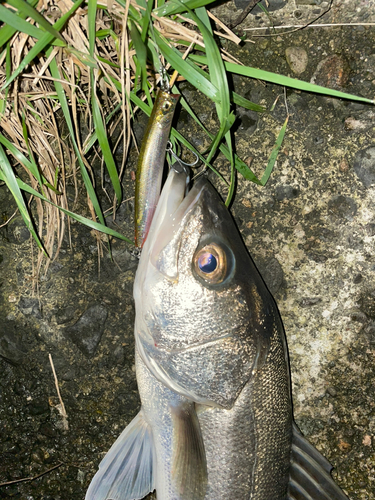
(210, 263)
(166, 105)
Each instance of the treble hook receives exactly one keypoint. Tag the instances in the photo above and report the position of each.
(181, 166)
(178, 159)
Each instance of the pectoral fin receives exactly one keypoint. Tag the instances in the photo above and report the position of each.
(310, 477)
(126, 472)
(189, 468)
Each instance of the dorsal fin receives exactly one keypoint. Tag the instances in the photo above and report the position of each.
(310, 477)
(127, 470)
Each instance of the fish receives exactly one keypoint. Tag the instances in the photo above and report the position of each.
(216, 419)
(151, 162)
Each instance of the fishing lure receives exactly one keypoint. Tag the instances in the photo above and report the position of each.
(151, 162)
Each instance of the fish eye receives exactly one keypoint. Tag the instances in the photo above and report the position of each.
(207, 263)
(210, 263)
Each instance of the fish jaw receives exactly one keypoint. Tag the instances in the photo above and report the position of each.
(200, 338)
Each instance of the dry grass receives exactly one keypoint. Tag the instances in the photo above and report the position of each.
(32, 119)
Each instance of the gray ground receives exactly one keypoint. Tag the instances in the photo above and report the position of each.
(311, 231)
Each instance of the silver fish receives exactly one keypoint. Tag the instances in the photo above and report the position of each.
(211, 360)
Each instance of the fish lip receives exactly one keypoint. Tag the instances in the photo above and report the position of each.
(168, 219)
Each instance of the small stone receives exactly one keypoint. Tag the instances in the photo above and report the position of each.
(343, 207)
(48, 429)
(366, 440)
(11, 348)
(297, 59)
(88, 330)
(64, 315)
(309, 301)
(332, 391)
(344, 445)
(344, 166)
(286, 192)
(332, 72)
(364, 166)
(12, 298)
(357, 279)
(370, 229)
(29, 306)
(353, 124)
(18, 232)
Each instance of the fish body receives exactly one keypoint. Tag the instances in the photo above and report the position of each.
(151, 162)
(217, 340)
(212, 370)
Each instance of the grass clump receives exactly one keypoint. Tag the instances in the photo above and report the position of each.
(98, 62)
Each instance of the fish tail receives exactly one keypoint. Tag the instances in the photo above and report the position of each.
(310, 477)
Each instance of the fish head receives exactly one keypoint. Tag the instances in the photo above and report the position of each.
(204, 317)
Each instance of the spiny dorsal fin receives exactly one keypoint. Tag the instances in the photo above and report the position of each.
(310, 477)
(189, 468)
(127, 471)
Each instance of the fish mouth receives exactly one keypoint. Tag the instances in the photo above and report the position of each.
(173, 206)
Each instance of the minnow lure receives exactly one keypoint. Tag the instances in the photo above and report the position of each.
(151, 163)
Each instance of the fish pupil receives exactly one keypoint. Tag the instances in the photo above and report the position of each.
(207, 263)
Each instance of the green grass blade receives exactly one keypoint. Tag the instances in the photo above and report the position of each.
(91, 18)
(286, 81)
(6, 32)
(65, 108)
(219, 79)
(187, 70)
(35, 169)
(17, 154)
(147, 21)
(41, 44)
(104, 145)
(90, 141)
(79, 218)
(96, 113)
(274, 153)
(290, 82)
(215, 63)
(20, 157)
(8, 64)
(245, 103)
(29, 11)
(7, 175)
(172, 7)
(141, 52)
(228, 138)
(18, 24)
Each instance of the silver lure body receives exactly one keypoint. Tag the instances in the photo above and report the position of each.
(211, 362)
